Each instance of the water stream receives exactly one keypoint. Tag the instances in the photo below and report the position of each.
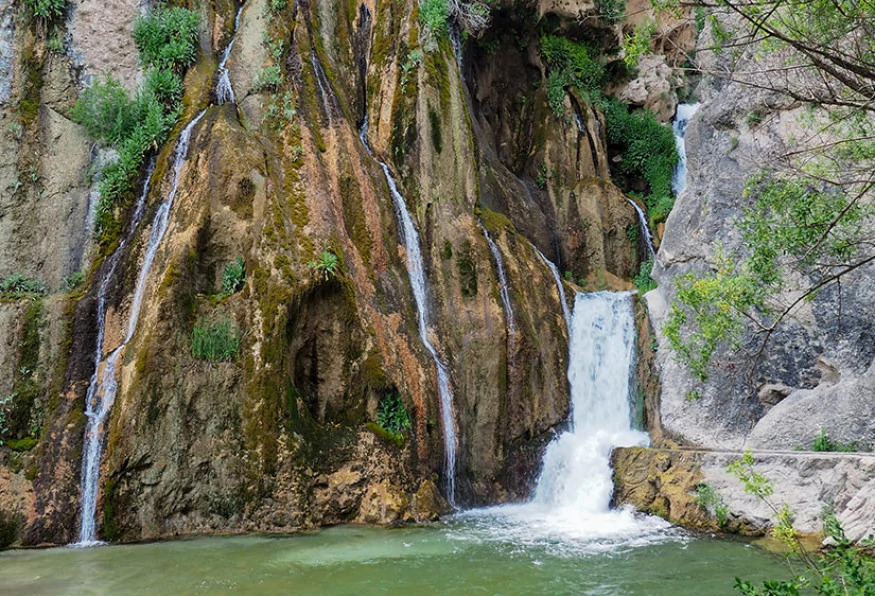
(645, 228)
(322, 82)
(565, 312)
(682, 117)
(502, 278)
(224, 89)
(104, 385)
(419, 284)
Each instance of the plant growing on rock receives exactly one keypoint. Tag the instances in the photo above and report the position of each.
(325, 266)
(215, 340)
(17, 286)
(840, 569)
(48, 10)
(233, 277)
(392, 416)
(166, 37)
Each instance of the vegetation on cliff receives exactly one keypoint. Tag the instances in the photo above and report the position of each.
(805, 229)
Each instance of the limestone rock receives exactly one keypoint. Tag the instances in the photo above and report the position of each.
(654, 87)
(383, 504)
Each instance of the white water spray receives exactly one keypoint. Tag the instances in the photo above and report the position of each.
(224, 89)
(645, 228)
(565, 312)
(682, 117)
(502, 278)
(322, 82)
(570, 511)
(104, 385)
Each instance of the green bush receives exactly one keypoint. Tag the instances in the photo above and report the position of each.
(47, 9)
(18, 286)
(711, 501)
(233, 277)
(74, 280)
(433, 17)
(611, 11)
(215, 340)
(648, 151)
(392, 416)
(823, 443)
(570, 65)
(106, 111)
(643, 281)
(167, 37)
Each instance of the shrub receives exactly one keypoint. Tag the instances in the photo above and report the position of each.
(165, 86)
(392, 416)
(823, 443)
(570, 65)
(233, 277)
(638, 44)
(106, 111)
(74, 280)
(47, 9)
(215, 340)
(18, 286)
(167, 37)
(325, 266)
(648, 150)
(643, 281)
(433, 18)
(611, 11)
(710, 500)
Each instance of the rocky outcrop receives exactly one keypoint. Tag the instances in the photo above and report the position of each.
(282, 437)
(665, 482)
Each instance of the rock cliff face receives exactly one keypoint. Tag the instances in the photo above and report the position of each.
(277, 439)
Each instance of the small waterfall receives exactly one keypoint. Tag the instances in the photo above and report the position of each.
(645, 228)
(565, 312)
(322, 82)
(416, 271)
(224, 89)
(579, 122)
(7, 49)
(682, 117)
(570, 512)
(104, 385)
(601, 357)
(456, 41)
(502, 278)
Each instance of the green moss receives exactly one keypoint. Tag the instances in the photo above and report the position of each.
(10, 526)
(447, 251)
(387, 437)
(436, 136)
(354, 217)
(25, 387)
(439, 74)
(20, 445)
(467, 270)
(494, 221)
(110, 523)
(373, 374)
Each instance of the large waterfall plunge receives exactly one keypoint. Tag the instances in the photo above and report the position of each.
(571, 507)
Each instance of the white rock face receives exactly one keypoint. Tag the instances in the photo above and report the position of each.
(822, 357)
(103, 39)
(806, 482)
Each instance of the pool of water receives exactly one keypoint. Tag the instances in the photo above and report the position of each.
(466, 555)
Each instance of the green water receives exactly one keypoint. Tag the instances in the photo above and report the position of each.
(454, 558)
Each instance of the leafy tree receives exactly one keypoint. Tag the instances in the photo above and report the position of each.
(805, 227)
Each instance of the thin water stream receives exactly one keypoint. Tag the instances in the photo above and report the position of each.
(502, 278)
(645, 228)
(224, 89)
(682, 117)
(104, 385)
(565, 312)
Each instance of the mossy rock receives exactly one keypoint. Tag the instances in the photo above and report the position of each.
(21, 445)
(387, 437)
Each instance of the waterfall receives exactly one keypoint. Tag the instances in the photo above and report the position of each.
(565, 312)
(576, 473)
(224, 89)
(645, 228)
(322, 82)
(682, 117)
(570, 512)
(104, 385)
(502, 278)
(416, 272)
(456, 42)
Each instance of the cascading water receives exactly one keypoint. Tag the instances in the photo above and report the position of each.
(416, 273)
(224, 89)
(104, 385)
(322, 82)
(565, 312)
(645, 228)
(502, 278)
(682, 117)
(570, 511)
